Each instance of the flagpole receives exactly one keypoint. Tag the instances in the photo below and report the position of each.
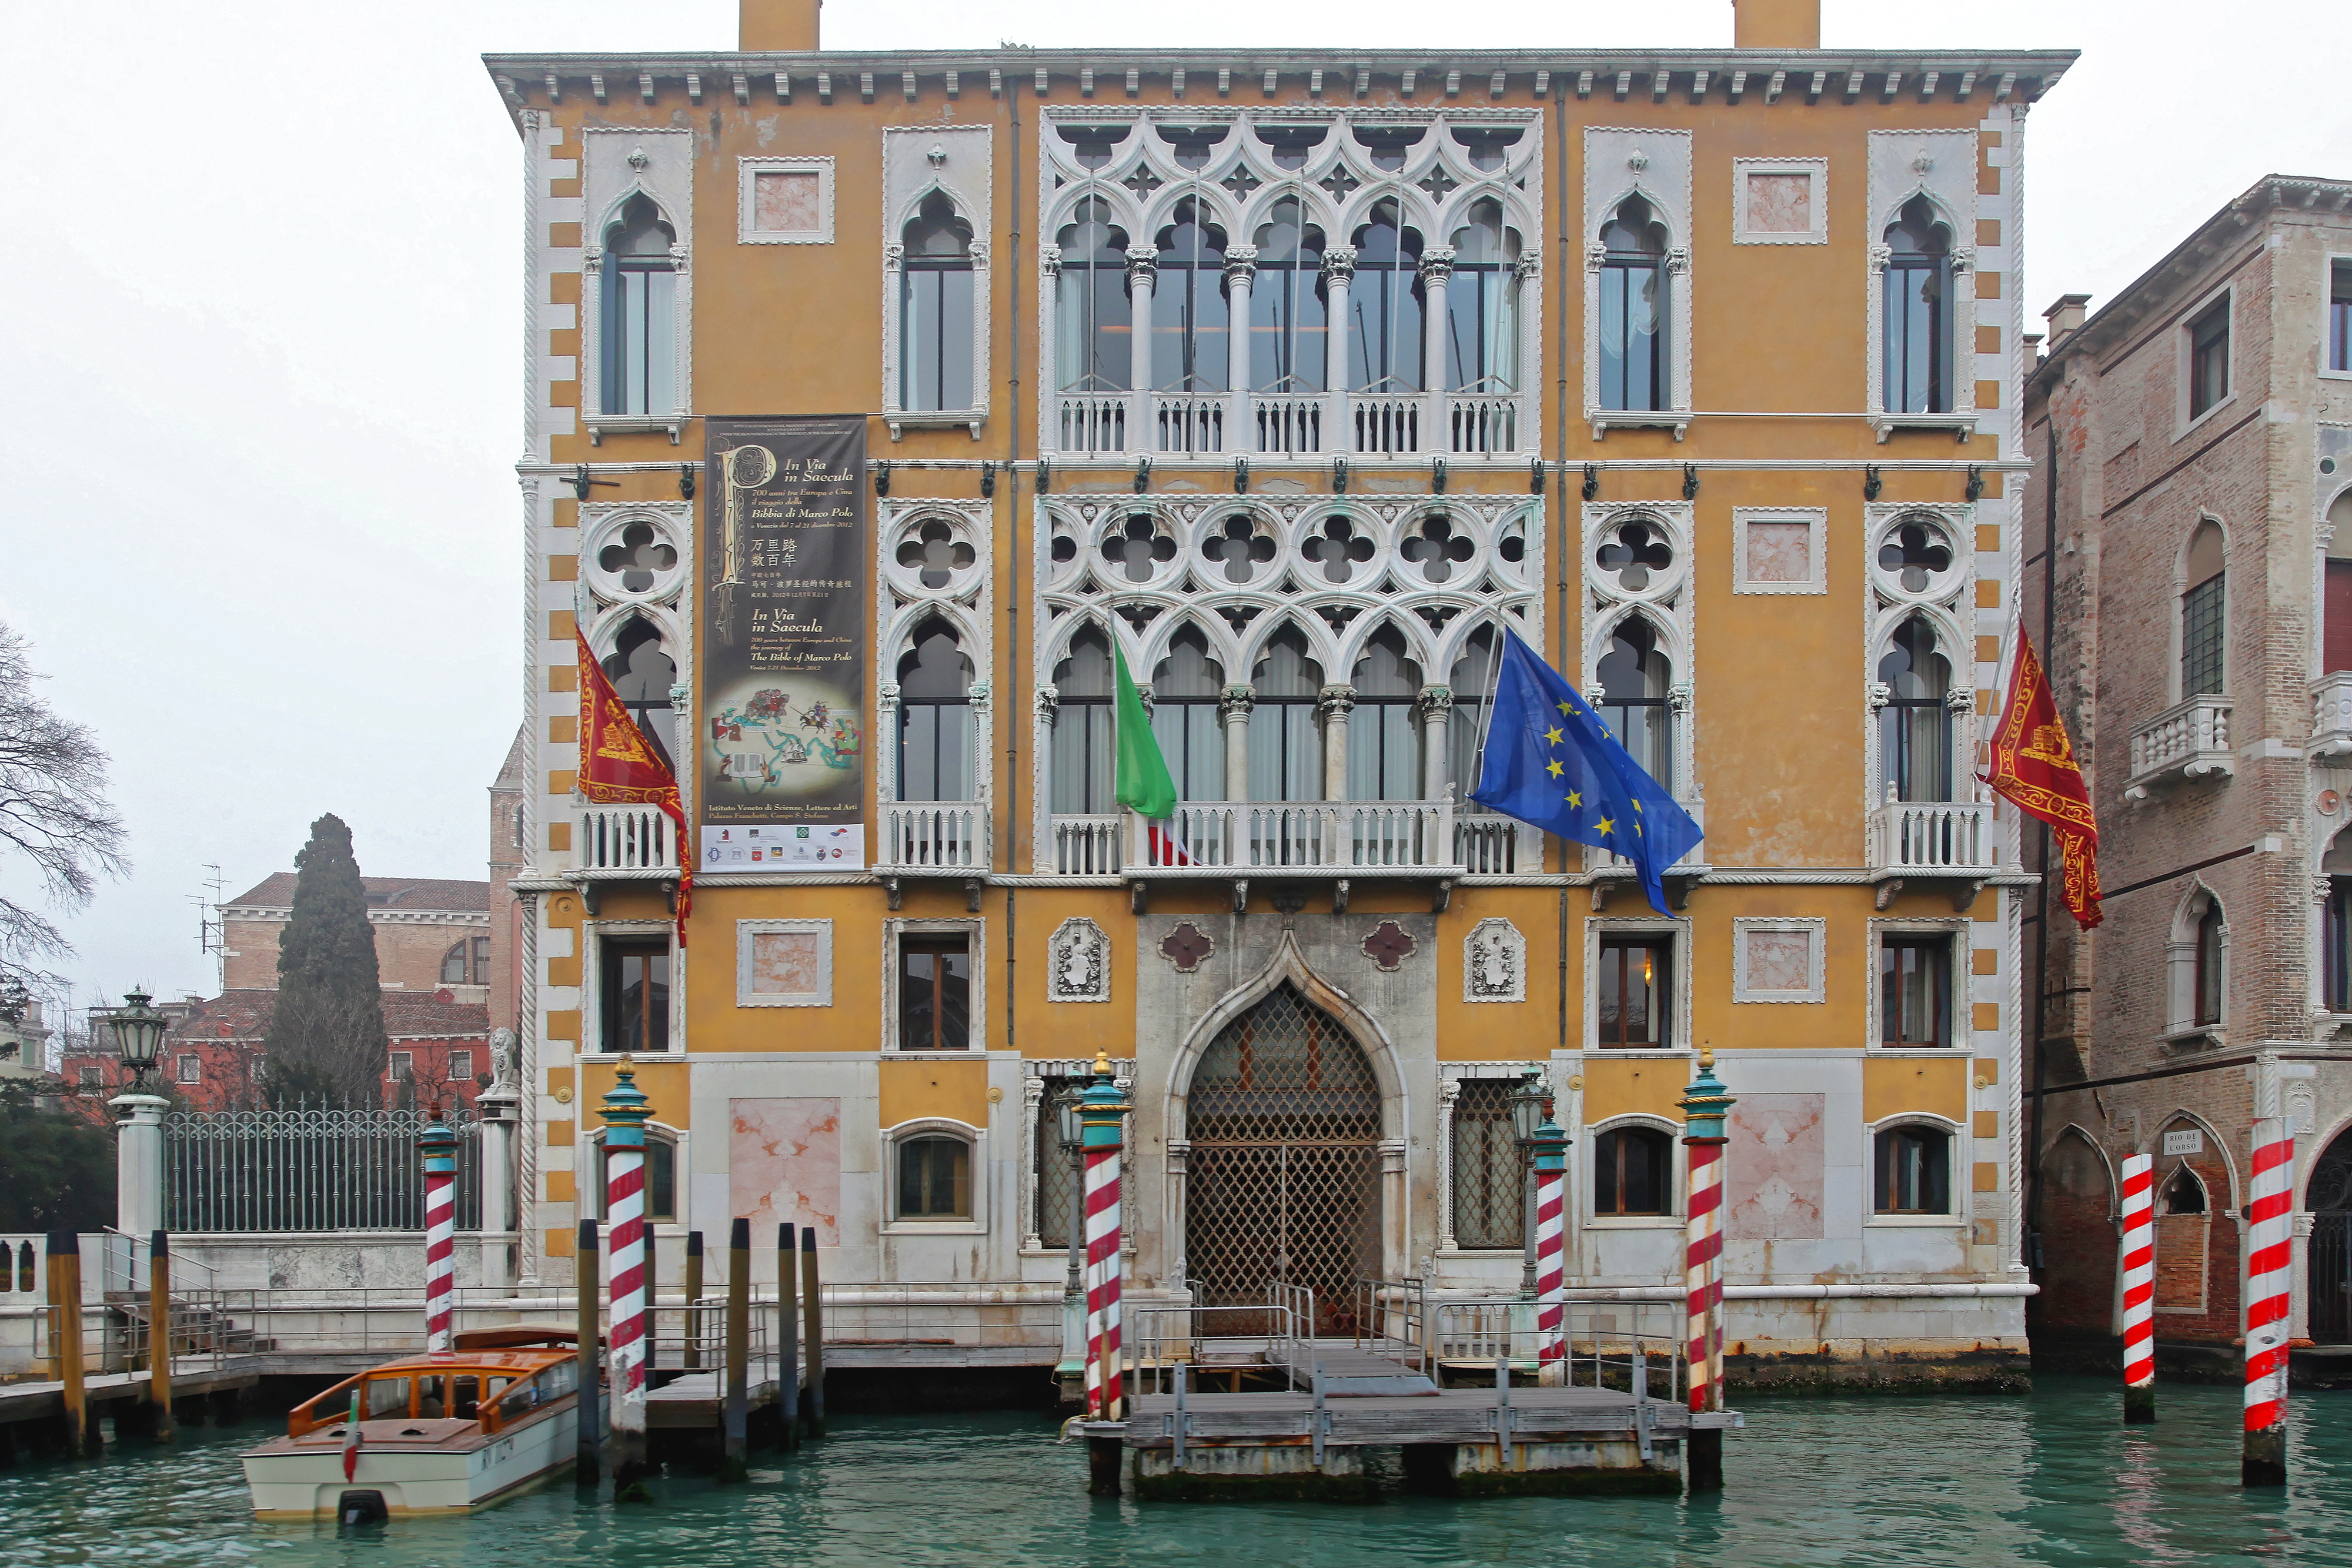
(2030, 1243)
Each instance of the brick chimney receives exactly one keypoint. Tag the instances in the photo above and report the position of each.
(1776, 23)
(778, 27)
(2065, 318)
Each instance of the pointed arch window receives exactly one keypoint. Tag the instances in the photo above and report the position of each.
(2210, 981)
(1918, 311)
(1384, 329)
(1185, 690)
(1472, 685)
(934, 717)
(935, 310)
(1285, 751)
(1635, 678)
(639, 331)
(1289, 336)
(1633, 308)
(1084, 744)
(1914, 728)
(2202, 604)
(1383, 747)
(642, 676)
(1481, 328)
(1188, 305)
(1093, 329)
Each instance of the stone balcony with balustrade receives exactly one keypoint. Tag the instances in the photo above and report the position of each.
(622, 843)
(1947, 841)
(2186, 742)
(942, 839)
(2331, 715)
(1094, 423)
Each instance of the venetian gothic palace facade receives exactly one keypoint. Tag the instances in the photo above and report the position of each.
(1290, 379)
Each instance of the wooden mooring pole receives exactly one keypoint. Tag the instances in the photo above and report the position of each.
(788, 1339)
(83, 1436)
(693, 1335)
(732, 1465)
(159, 1334)
(813, 1314)
(591, 1294)
(2139, 1289)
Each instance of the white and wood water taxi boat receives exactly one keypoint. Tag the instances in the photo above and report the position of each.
(443, 1433)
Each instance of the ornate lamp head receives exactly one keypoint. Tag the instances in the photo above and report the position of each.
(626, 1109)
(1705, 1104)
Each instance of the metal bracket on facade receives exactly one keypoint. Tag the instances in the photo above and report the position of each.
(1886, 890)
(1339, 896)
(971, 886)
(893, 891)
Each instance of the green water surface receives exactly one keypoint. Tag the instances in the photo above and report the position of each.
(2046, 1477)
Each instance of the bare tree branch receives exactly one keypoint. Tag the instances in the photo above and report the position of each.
(54, 813)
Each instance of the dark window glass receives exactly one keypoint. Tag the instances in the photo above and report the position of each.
(1636, 973)
(1632, 1172)
(1489, 1172)
(453, 966)
(640, 323)
(1185, 719)
(2201, 638)
(1914, 1171)
(1057, 1177)
(934, 993)
(2209, 965)
(936, 305)
(481, 960)
(934, 1179)
(642, 676)
(1914, 729)
(1915, 988)
(1093, 328)
(1383, 742)
(636, 996)
(935, 722)
(2335, 640)
(1472, 685)
(1289, 335)
(1918, 312)
(1633, 309)
(1384, 304)
(1188, 306)
(1635, 680)
(2209, 359)
(2183, 1193)
(2339, 316)
(661, 1182)
(2337, 958)
(1482, 332)
(1085, 748)
(1285, 748)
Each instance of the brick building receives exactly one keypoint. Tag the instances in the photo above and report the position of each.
(510, 857)
(2190, 516)
(430, 933)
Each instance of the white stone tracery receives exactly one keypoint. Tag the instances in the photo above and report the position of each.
(619, 162)
(1940, 165)
(1945, 601)
(1664, 599)
(955, 162)
(1654, 165)
(931, 562)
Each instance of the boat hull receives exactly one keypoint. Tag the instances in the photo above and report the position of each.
(295, 1480)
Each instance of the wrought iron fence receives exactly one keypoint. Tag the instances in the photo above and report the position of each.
(308, 1170)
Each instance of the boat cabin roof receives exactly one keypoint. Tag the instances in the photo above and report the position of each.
(519, 1363)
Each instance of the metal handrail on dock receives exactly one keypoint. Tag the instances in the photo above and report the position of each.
(1631, 1346)
(1163, 1339)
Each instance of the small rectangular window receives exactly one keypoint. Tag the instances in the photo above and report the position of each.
(2209, 358)
(934, 1179)
(401, 1065)
(934, 992)
(191, 1070)
(2340, 316)
(92, 1077)
(1914, 987)
(481, 960)
(1489, 1170)
(2200, 638)
(2338, 957)
(461, 1066)
(660, 1182)
(636, 996)
(1632, 1172)
(1636, 975)
(1914, 1171)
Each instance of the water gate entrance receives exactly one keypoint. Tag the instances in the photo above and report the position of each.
(2329, 1198)
(1284, 1183)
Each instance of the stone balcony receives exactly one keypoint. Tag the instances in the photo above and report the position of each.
(2187, 741)
(622, 843)
(1287, 424)
(948, 840)
(2331, 715)
(1947, 841)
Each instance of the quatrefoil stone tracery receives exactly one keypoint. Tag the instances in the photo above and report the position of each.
(1138, 548)
(1437, 549)
(1336, 548)
(1239, 548)
(638, 558)
(1916, 554)
(1633, 552)
(936, 552)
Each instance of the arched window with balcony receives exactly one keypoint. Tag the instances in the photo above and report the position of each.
(1383, 743)
(1188, 305)
(2203, 607)
(1482, 327)
(1917, 324)
(642, 675)
(1636, 678)
(935, 310)
(1085, 745)
(934, 717)
(1384, 327)
(639, 330)
(1471, 683)
(1093, 328)
(1633, 324)
(1185, 690)
(1286, 760)
(1288, 334)
(1914, 728)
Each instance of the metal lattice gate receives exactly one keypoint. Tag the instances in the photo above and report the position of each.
(1284, 1183)
(2329, 1198)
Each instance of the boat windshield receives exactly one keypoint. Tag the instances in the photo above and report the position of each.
(387, 1398)
(546, 1388)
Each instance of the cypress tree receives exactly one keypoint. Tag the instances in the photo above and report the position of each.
(326, 1039)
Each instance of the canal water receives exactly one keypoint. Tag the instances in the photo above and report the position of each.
(2046, 1477)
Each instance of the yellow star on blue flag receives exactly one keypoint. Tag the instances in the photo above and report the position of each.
(1569, 776)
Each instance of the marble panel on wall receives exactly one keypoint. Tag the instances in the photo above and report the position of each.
(1779, 203)
(1773, 1170)
(786, 203)
(1780, 552)
(784, 1165)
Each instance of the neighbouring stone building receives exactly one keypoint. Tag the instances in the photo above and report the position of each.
(2190, 517)
(1247, 368)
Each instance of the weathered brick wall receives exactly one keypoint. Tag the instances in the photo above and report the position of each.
(2078, 1287)
(409, 953)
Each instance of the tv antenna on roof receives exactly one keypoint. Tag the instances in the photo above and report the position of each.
(212, 933)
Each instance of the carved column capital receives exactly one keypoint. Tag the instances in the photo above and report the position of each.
(1142, 267)
(977, 693)
(1435, 699)
(1437, 263)
(1680, 696)
(1964, 258)
(1678, 261)
(1046, 701)
(1335, 699)
(894, 256)
(1340, 261)
(1049, 258)
(592, 259)
(1241, 261)
(885, 696)
(1880, 694)
(681, 256)
(1595, 255)
(1237, 700)
(1528, 266)
(1880, 256)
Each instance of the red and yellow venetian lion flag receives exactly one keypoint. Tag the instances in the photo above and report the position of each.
(2033, 768)
(618, 767)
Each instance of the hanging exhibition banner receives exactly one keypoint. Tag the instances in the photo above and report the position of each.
(781, 761)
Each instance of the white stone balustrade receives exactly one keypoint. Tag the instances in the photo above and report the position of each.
(1086, 845)
(624, 841)
(2331, 715)
(2187, 740)
(1219, 837)
(934, 835)
(1928, 838)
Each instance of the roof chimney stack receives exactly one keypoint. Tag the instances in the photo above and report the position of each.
(1776, 23)
(777, 27)
(2065, 318)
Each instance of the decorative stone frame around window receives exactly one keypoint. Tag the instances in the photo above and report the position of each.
(1958, 1170)
(1450, 1078)
(1677, 932)
(1959, 970)
(1587, 1178)
(956, 161)
(1944, 597)
(1654, 163)
(2223, 302)
(954, 587)
(1338, 183)
(1665, 598)
(975, 935)
(590, 1186)
(1942, 166)
(617, 164)
(1036, 1073)
(593, 934)
(978, 1178)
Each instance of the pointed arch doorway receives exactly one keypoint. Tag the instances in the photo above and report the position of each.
(1284, 1177)
(2329, 1198)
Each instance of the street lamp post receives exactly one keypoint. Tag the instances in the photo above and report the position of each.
(1527, 1113)
(1069, 1131)
(137, 1033)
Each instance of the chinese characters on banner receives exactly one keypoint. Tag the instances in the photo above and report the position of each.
(780, 747)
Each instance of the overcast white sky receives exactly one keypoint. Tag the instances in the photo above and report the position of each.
(261, 346)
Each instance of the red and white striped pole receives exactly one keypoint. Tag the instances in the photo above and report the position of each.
(2270, 1207)
(1705, 1105)
(1102, 1111)
(438, 1143)
(1551, 1146)
(626, 1111)
(2139, 1289)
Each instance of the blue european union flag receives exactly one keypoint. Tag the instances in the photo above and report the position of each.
(1551, 760)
